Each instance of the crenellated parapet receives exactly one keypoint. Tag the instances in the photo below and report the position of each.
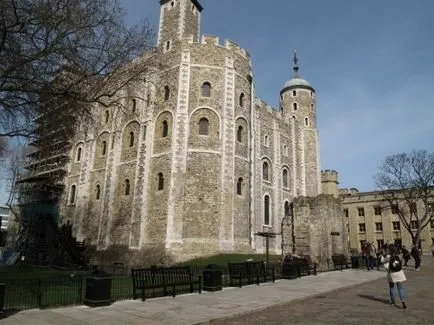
(329, 175)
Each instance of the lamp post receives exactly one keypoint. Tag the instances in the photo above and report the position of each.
(267, 236)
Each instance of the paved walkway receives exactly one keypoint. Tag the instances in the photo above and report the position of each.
(198, 308)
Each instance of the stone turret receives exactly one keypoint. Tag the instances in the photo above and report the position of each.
(329, 179)
(179, 19)
(298, 107)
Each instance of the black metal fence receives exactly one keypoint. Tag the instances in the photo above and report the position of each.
(70, 289)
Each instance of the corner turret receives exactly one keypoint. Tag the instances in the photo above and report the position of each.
(329, 179)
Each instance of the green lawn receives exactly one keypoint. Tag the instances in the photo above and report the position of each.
(30, 272)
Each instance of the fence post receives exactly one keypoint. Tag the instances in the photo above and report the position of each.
(39, 293)
(80, 299)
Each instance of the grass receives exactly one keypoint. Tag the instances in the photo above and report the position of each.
(224, 259)
(23, 272)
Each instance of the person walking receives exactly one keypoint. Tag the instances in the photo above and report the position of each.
(416, 255)
(395, 275)
(432, 248)
(371, 256)
(405, 255)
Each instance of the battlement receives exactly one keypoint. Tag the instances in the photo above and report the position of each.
(210, 39)
(228, 44)
(348, 191)
(329, 175)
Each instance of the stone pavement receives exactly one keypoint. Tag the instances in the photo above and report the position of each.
(198, 308)
(364, 304)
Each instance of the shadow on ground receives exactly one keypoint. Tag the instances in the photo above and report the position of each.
(370, 297)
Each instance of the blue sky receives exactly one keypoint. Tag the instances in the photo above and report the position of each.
(371, 63)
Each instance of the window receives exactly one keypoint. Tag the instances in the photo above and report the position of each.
(287, 209)
(285, 178)
(78, 154)
(165, 129)
(127, 187)
(72, 195)
(266, 141)
(113, 141)
(104, 148)
(107, 116)
(285, 150)
(203, 126)
(265, 171)
(346, 213)
(160, 181)
(266, 210)
(167, 46)
(144, 132)
(380, 243)
(240, 134)
(240, 186)
(242, 99)
(148, 99)
(294, 93)
(362, 227)
(394, 209)
(378, 226)
(431, 223)
(166, 92)
(294, 105)
(413, 208)
(361, 212)
(414, 224)
(131, 139)
(206, 89)
(377, 211)
(133, 105)
(306, 121)
(97, 192)
(396, 225)
(311, 107)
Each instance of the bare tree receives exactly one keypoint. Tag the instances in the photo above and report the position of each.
(78, 52)
(407, 184)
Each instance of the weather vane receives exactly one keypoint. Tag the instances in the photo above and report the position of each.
(295, 60)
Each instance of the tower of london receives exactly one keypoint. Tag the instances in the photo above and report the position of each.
(195, 164)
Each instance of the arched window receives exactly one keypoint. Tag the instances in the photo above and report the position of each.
(144, 132)
(165, 129)
(166, 92)
(266, 142)
(294, 93)
(98, 192)
(240, 186)
(242, 99)
(285, 150)
(294, 105)
(113, 141)
(203, 126)
(287, 209)
(133, 105)
(240, 134)
(107, 116)
(311, 107)
(104, 148)
(285, 178)
(78, 154)
(266, 210)
(148, 99)
(127, 187)
(265, 171)
(206, 89)
(306, 121)
(72, 195)
(131, 139)
(160, 181)
(167, 45)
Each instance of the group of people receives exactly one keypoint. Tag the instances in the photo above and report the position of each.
(372, 256)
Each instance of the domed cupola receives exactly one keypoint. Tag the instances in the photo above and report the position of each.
(296, 81)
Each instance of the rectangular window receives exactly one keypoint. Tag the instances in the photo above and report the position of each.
(431, 223)
(394, 209)
(378, 226)
(377, 211)
(362, 227)
(413, 208)
(413, 224)
(346, 212)
(380, 243)
(361, 212)
(396, 225)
